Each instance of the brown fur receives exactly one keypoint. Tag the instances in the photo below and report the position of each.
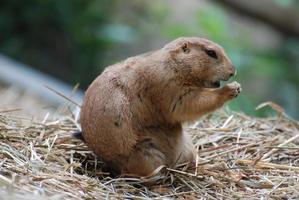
(133, 112)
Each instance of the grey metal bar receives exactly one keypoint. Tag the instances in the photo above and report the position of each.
(24, 77)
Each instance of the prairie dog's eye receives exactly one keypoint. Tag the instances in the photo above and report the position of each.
(211, 53)
(185, 48)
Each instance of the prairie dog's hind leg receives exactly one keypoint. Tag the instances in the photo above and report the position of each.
(144, 159)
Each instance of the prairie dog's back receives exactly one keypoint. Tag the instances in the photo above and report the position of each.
(107, 112)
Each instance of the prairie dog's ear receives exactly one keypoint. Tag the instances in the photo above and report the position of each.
(185, 47)
(178, 45)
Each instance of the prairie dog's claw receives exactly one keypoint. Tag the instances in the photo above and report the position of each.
(233, 89)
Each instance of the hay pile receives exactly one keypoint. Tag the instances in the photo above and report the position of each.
(14, 98)
(238, 157)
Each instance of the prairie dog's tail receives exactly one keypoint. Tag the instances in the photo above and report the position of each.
(78, 135)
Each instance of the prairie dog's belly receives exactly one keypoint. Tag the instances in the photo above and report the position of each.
(183, 149)
(175, 144)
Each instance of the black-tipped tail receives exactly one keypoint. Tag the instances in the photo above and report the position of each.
(79, 136)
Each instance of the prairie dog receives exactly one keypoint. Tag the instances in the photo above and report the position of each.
(133, 112)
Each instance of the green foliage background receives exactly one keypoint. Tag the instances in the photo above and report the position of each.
(74, 40)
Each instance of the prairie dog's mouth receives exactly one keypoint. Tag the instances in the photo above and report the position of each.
(213, 84)
(216, 83)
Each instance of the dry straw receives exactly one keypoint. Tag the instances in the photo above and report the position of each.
(239, 157)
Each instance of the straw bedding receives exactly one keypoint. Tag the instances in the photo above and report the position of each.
(239, 157)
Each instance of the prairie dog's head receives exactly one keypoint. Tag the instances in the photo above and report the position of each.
(200, 61)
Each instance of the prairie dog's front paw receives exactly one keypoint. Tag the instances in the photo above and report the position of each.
(232, 90)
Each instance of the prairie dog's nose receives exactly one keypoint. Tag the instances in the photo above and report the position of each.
(233, 71)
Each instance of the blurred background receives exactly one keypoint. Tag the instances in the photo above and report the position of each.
(65, 43)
